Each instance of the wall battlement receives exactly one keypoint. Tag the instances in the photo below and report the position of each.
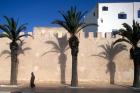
(42, 31)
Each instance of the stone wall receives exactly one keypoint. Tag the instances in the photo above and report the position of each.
(50, 63)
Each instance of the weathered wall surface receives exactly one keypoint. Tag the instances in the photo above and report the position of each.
(52, 65)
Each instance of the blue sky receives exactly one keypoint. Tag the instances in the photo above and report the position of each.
(39, 12)
(42, 12)
(118, 0)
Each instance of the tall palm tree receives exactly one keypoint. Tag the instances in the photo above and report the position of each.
(109, 53)
(12, 31)
(131, 35)
(60, 47)
(73, 23)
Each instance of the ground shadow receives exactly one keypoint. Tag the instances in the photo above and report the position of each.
(90, 89)
(60, 47)
(109, 53)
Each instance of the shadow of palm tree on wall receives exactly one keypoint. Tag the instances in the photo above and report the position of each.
(60, 47)
(20, 50)
(109, 53)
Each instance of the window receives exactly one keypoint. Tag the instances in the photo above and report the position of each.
(122, 16)
(105, 8)
(94, 14)
(101, 20)
(138, 13)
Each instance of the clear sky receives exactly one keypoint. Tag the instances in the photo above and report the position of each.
(118, 0)
(42, 12)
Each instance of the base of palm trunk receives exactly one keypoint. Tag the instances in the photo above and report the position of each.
(74, 83)
(136, 83)
(137, 90)
(13, 83)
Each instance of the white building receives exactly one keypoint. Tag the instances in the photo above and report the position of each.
(110, 16)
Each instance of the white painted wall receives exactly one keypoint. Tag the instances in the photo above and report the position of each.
(136, 8)
(110, 17)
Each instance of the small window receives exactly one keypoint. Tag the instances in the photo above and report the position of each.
(122, 16)
(101, 20)
(105, 35)
(94, 14)
(105, 8)
(138, 13)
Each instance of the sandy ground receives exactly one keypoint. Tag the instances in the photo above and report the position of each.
(59, 88)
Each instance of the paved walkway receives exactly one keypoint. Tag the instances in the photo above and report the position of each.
(57, 88)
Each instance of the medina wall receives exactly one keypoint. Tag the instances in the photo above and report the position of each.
(50, 63)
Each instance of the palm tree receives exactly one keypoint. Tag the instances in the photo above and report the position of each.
(109, 53)
(12, 31)
(73, 23)
(60, 47)
(131, 35)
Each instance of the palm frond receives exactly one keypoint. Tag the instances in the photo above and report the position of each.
(12, 30)
(21, 28)
(66, 49)
(72, 22)
(14, 24)
(100, 56)
(117, 48)
(5, 52)
(55, 45)
(121, 40)
(63, 24)
(21, 51)
(8, 21)
(3, 28)
(103, 47)
(81, 15)
(125, 33)
(4, 35)
(111, 50)
(103, 53)
(49, 52)
(86, 25)
(130, 34)
(65, 16)
(23, 36)
(21, 42)
(27, 48)
(128, 27)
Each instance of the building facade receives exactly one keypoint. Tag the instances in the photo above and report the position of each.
(111, 16)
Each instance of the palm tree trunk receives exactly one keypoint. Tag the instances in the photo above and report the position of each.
(14, 64)
(74, 44)
(136, 82)
(136, 60)
(74, 81)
